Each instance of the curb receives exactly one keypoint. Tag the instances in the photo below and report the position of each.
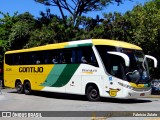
(153, 96)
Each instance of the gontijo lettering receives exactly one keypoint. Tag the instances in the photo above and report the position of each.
(31, 69)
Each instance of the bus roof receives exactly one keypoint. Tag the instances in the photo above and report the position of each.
(115, 43)
(88, 42)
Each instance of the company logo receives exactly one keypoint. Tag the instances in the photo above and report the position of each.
(31, 69)
(89, 71)
(113, 92)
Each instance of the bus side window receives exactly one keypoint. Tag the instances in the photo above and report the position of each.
(54, 57)
(73, 58)
(39, 57)
(83, 59)
(9, 59)
(94, 60)
(33, 58)
(45, 57)
(66, 58)
(86, 56)
(79, 56)
(26, 59)
(115, 66)
(17, 59)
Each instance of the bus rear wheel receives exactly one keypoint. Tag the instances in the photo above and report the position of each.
(92, 93)
(27, 88)
(19, 87)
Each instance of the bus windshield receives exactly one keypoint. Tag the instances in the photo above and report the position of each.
(138, 67)
(137, 72)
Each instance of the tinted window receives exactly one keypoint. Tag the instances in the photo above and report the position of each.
(9, 59)
(83, 55)
(112, 63)
(103, 53)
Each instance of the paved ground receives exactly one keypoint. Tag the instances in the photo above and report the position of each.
(44, 101)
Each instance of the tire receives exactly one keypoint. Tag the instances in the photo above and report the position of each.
(19, 87)
(27, 88)
(92, 93)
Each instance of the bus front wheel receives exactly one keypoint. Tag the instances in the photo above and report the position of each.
(92, 93)
(27, 88)
(19, 87)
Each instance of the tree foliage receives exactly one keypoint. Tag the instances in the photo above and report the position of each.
(19, 35)
(77, 7)
(6, 24)
(20, 31)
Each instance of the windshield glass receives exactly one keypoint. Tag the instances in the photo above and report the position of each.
(137, 72)
(137, 66)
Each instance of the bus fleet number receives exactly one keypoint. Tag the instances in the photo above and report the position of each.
(8, 69)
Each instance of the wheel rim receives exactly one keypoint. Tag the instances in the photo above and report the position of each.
(19, 87)
(27, 88)
(93, 93)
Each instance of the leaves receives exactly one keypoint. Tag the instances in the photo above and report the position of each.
(19, 35)
(77, 7)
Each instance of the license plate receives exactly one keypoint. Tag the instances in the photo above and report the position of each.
(142, 94)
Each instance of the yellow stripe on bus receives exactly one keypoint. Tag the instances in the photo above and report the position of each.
(45, 47)
(115, 43)
(138, 85)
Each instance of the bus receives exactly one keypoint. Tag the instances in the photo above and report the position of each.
(93, 67)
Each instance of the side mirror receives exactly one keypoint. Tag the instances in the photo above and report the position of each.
(151, 57)
(124, 56)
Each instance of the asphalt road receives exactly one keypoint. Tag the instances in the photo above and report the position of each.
(45, 101)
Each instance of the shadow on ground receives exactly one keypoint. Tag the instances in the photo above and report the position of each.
(125, 101)
(83, 98)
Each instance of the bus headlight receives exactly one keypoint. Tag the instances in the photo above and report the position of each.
(125, 85)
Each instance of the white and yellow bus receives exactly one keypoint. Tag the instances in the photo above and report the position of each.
(94, 67)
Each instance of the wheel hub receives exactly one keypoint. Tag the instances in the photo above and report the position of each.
(19, 87)
(94, 93)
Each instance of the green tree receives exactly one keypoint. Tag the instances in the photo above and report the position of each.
(42, 36)
(20, 32)
(51, 32)
(19, 35)
(45, 18)
(6, 24)
(145, 26)
(77, 7)
(140, 26)
(27, 18)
